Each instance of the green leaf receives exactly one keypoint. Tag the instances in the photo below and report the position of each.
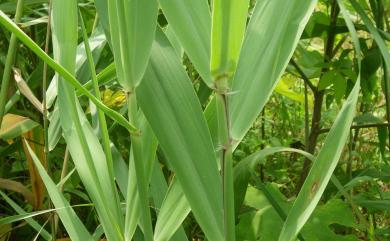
(265, 223)
(70, 220)
(326, 160)
(328, 79)
(191, 22)
(335, 211)
(373, 204)
(8, 24)
(340, 86)
(133, 201)
(84, 146)
(132, 26)
(172, 109)
(97, 41)
(170, 215)
(175, 205)
(382, 138)
(272, 35)
(242, 171)
(228, 28)
(30, 221)
(377, 37)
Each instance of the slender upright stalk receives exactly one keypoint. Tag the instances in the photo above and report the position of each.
(226, 157)
(142, 185)
(9, 62)
(54, 217)
(44, 87)
(96, 92)
(306, 117)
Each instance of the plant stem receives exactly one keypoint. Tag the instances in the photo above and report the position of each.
(9, 62)
(54, 217)
(303, 75)
(44, 88)
(142, 185)
(102, 119)
(226, 157)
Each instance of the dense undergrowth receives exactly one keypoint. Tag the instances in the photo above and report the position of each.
(195, 120)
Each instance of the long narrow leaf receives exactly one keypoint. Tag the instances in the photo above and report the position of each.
(34, 224)
(327, 159)
(132, 26)
(174, 205)
(169, 102)
(83, 145)
(8, 24)
(72, 223)
(133, 202)
(228, 28)
(191, 22)
(272, 35)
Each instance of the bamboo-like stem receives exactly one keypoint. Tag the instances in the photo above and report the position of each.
(9, 62)
(142, 185)
(226, 157)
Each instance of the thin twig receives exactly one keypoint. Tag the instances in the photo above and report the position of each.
(303, 75)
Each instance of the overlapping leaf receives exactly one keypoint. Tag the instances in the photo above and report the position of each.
(327, 159)
(169, 103)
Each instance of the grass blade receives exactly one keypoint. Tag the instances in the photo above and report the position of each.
(84, 146)
(272, 35)
(8, 24)
(72, 223)
(191, 22)
(228, 28)
(133, 201)
(132, 26)
(97, 41)
(174, 205)
(170, 105)
(35, 225)
(327, 158)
